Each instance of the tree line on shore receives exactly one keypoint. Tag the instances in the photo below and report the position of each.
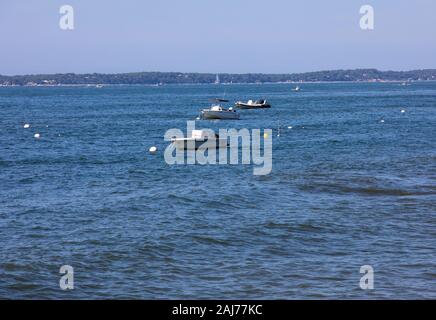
(155, 78)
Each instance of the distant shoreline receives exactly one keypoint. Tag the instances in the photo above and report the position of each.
(85, 85)
(408, 82)
(170, 78)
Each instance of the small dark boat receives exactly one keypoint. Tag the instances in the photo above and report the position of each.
(199, 138)
(259, 104)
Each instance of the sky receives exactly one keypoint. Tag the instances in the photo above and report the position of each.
(235, 36)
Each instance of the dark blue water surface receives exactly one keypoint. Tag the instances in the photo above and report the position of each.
(346, 190)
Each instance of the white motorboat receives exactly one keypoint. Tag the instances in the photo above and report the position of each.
(218, 112)
(200, 138)
(259, 104)
(296, 89)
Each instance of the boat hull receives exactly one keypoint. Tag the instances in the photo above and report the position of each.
(252, 106)
(219, 115)
(195, 144)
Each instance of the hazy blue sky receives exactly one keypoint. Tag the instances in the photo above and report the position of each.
(275, 36)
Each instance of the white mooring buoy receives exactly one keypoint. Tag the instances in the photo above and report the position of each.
(152, 150)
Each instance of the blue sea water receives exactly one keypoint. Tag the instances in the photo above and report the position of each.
(346, 190)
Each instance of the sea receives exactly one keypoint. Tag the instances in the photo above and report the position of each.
(350, 200)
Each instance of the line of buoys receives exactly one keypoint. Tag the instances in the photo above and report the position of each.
(402, 111)
(36, 135)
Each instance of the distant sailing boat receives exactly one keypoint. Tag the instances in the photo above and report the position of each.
(217, 79)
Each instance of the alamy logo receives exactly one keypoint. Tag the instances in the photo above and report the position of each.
(66, 22)
(67, 280)
(202, 145)
(367, 280)
(367, 20)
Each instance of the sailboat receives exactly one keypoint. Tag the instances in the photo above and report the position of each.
(217, 79)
